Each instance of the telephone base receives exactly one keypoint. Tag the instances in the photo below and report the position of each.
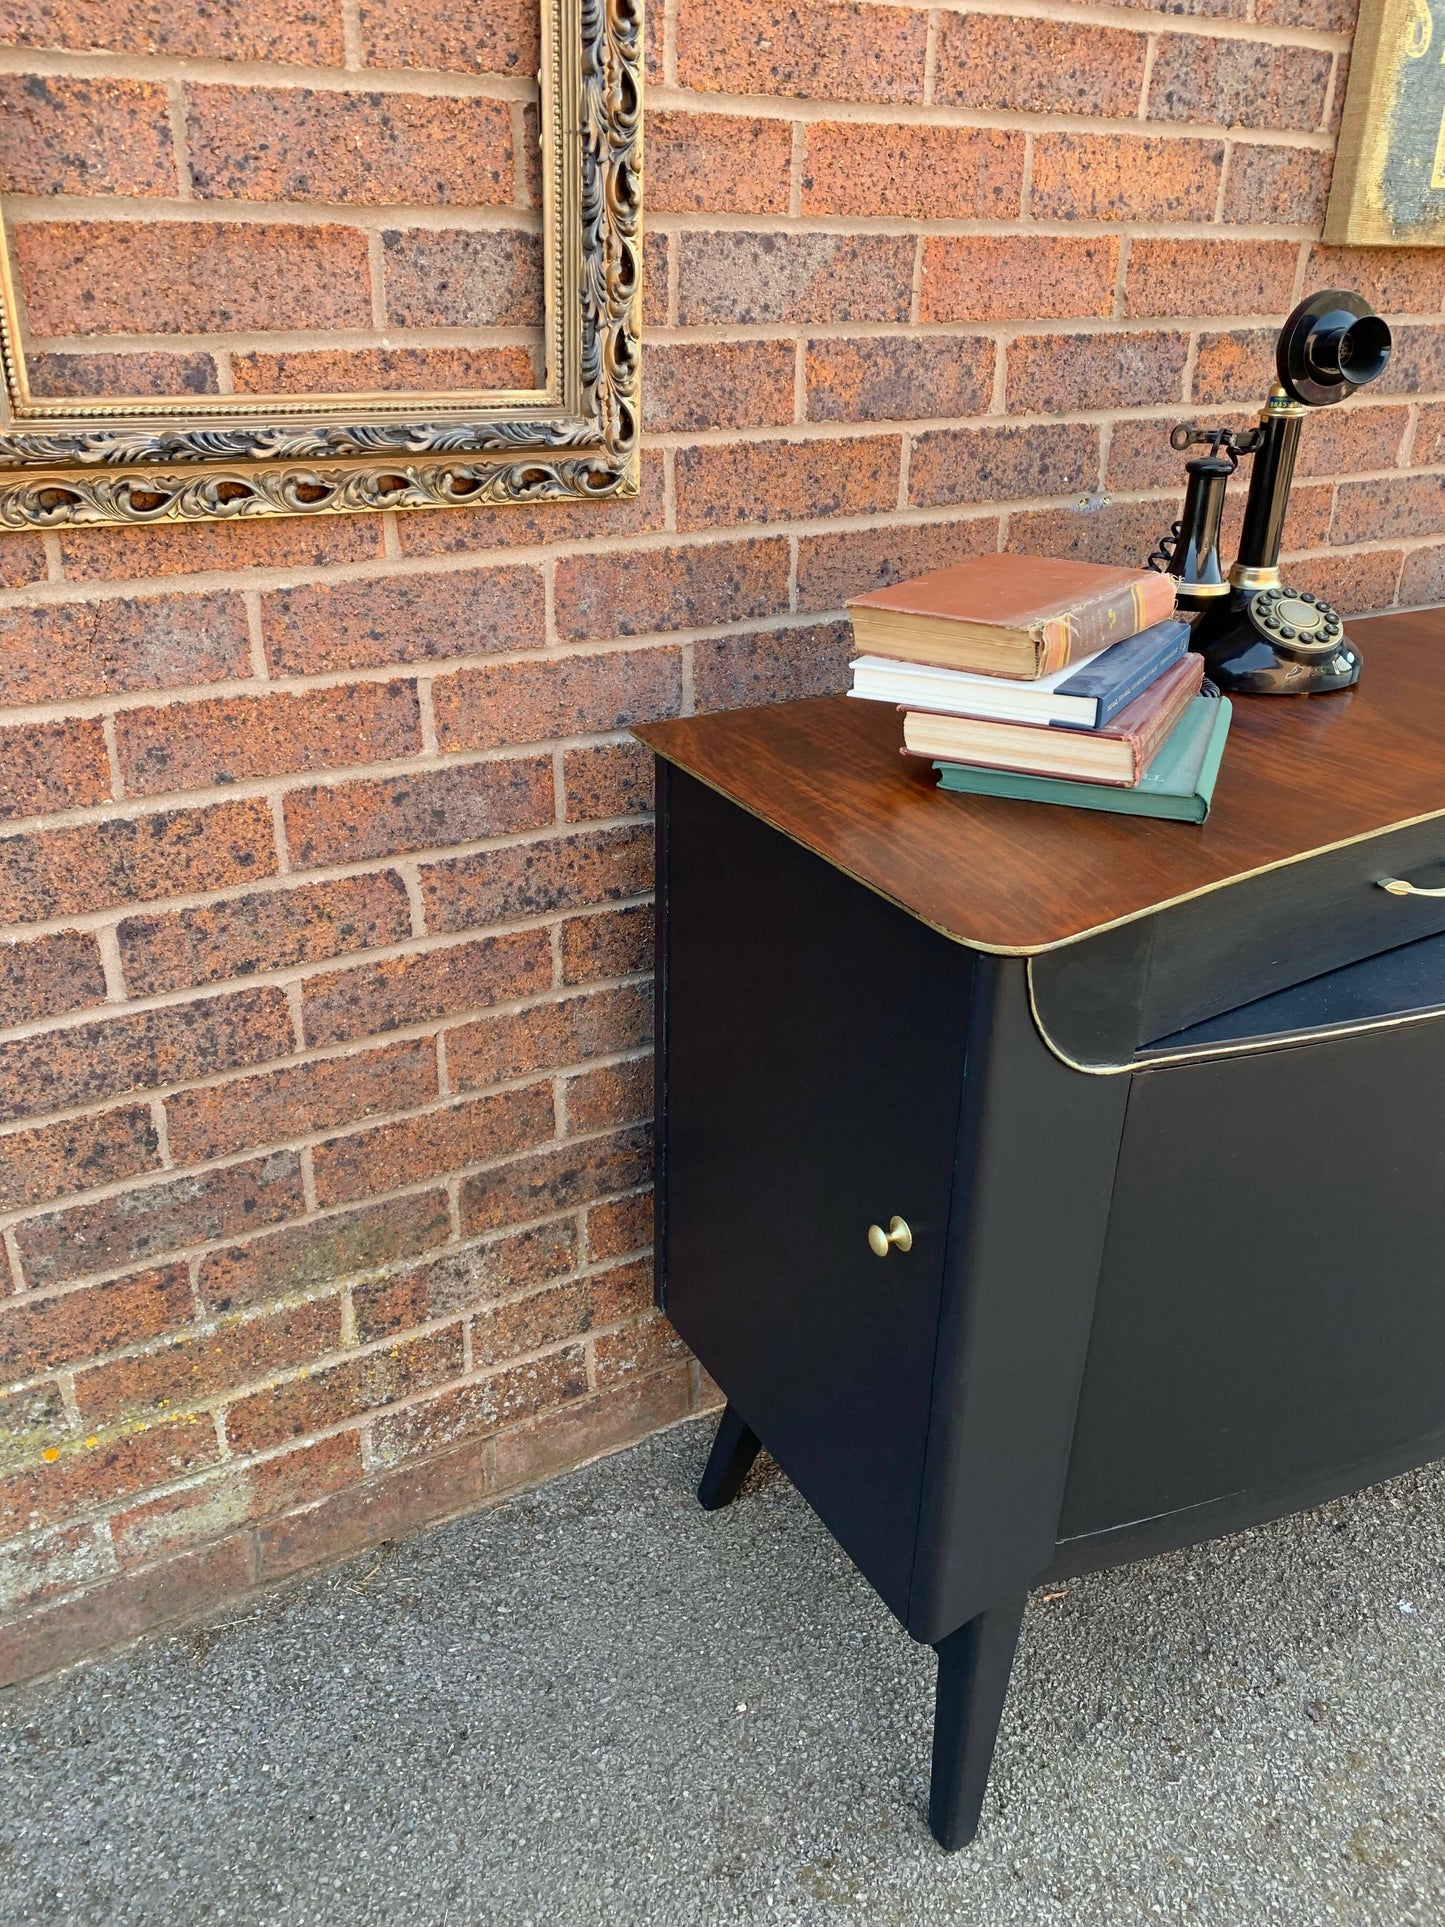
(1245, 653)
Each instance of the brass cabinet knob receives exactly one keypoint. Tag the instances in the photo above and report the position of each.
(897, 1233)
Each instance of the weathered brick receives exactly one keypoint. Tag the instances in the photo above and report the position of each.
(722, 485)
(140, 1225)
(459, 531)
(185, 277)
(741, 277)
(1056, 374)
(52, 766)
(64, 650)
(649, 1345)
(321, 627)
(654, 590)
(1401, 505)
(64, 1559)
(412, 989)
(474, 1410)
(1338, 441)
(367, 371)
(620, 1226)
(821, 52)
(1398, 280)
(564, 1312)
(265, 144)
(188, 548)
(1124, 177)
(1177, 278)
(547, 1036)
(88, 1475)
(718, 384)
(99, 371)
(463, 278)
(921, 173)
(1038, 66)
(1355, 584)
(230, 738)
(554, 1181)
(1422, 579)
(284, 1263)
(717, 164)
(611, 943)
(296, 1100)
(898, 377)
(168, 853)
(63, 135)
(607, 779)
(304, 32)
(778, 665)
(478, 1274)
(531, 879)
(38, 1333)
(1238, 83)
(49, 976)
(384, 1157)
(1284, 185)
(579, 1430)
(84, 1063)
(457, 36)
(51, 1159)
(344, 1391)
(377, 817)
(833, 567)
(1236, 365)
(268, 931)
(1122, 533)
(1002, 464)
(612, 1094)
(230, 1500)
(32, 1423)
(988, 277)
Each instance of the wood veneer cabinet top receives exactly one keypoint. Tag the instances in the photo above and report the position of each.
(1299, 776)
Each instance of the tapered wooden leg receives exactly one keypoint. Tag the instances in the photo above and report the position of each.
(728, 1464)
(973, 1670)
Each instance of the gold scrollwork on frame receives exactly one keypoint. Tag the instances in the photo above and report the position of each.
(229, 457)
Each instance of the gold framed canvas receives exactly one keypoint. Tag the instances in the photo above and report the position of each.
(134, 458)
(1389, 181)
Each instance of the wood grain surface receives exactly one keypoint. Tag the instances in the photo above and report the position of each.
(1300, 775)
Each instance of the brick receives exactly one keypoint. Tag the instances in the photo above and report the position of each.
(62, 135)
(722, 485)
(295, 1101)
(422, 985)
(52, 1159)
(1122, 533)
(457, 36)
(940, 173)
(1122, 177)
(339, 1392)
(462, 278)
(650, 1345)
(531, 879)
(1060, 373)
(1177, 278)
(96, 372)
(47, 1563)
(818, 52)
(32, 1422)
(49, 976)
(982, 277)
(742, 277)
(193, 1369)
(653, 590)
(225, 1503)
(612, 943)
(1339, 441)
(478, 1274)
(718, 164)
(1356, 584)
(1429, 444)
(384, 1157)
(1417, 363)
(88, 1475)
(304, 32)
(188, 548)
(780, 665)
(547, 1036)
(460, 531)
(620, 1226)
(265, 144)
(65, 650)
(612, 1094)
(38, 1333)
(86, 1063)
(268, 931)
(1397, 505)
(231, 738)
(1231, 9)
(554, 1181)
(607, 779)
(22, 561)
(1140, 456)
(52, 766)
(189, 277)
(833, 567)
(1397, 280)
(302, 1256)
(140, 1225)
(557, 1315)
(345, 822)
(718, 384)
(586, 1427)
(475, 1410)
(1234, 366)
(1038, 66)
(1307, 524)
(1238, 83)
(366, 371)
(1423, 578)
(1002, 464)
(57, 873)
(657, 251)
(1284, 185)
(898, 378)
(321, 627)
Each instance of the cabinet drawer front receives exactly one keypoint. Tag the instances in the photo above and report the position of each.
(1101, 1000)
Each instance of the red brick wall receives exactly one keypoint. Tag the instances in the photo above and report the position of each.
(325, 866)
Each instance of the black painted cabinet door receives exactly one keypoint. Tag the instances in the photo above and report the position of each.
(813, 1045)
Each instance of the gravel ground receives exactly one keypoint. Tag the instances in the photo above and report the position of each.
(599, 1704)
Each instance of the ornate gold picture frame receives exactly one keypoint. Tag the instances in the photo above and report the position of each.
(136, 460)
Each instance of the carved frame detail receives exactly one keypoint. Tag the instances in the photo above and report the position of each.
(135, 462)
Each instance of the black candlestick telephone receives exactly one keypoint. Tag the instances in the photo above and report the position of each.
(1255, 634)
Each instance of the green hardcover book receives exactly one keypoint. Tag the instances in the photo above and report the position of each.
(1178, 784)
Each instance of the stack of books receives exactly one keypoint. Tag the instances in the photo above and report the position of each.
(1051, 681)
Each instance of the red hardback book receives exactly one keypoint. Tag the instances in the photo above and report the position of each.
(1022, 616)
(1118, 754)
